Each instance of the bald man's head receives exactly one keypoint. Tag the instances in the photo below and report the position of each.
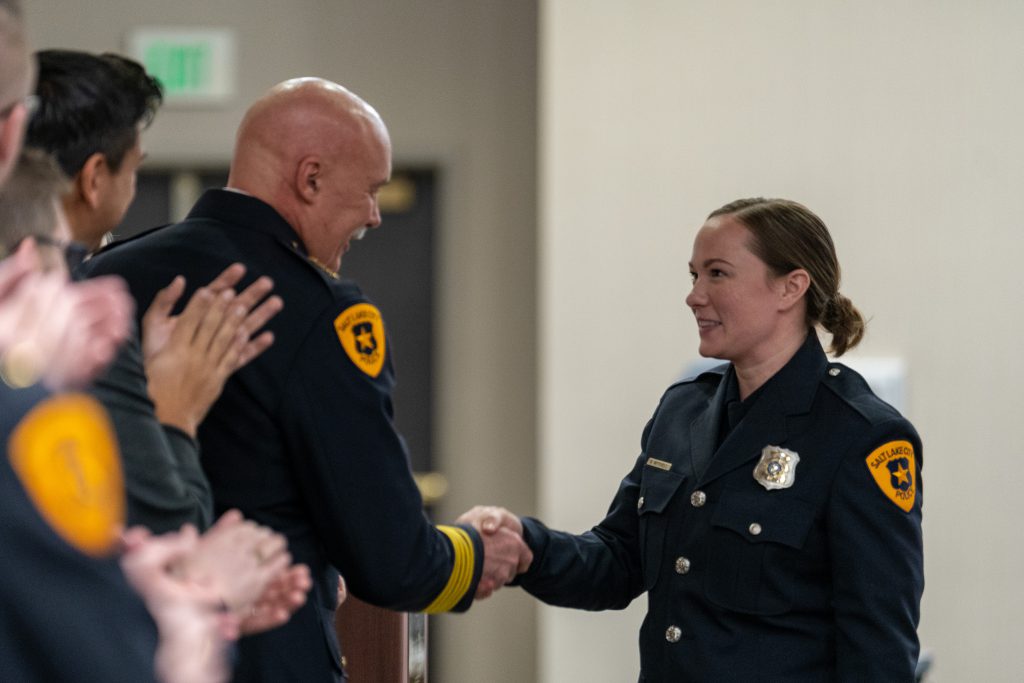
(317, 153)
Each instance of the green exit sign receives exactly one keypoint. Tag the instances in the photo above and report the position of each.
(195, 66)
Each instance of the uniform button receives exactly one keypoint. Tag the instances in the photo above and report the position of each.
(834, 371)
(754, 529)
(682, 565)
(640, 503)
(673, 634)
(698, 498)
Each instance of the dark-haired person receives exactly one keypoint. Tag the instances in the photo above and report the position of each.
(91, 112)
(774, 514)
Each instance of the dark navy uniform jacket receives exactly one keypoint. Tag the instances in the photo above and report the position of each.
(65, 614)
(819, 581)
(302, 438)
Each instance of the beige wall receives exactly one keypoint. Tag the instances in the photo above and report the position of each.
(456, 82)
(900, 123)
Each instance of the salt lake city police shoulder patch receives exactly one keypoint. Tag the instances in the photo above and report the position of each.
(361, 332)
(65, 454)
(892, 466)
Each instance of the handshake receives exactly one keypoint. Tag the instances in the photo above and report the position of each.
(506, 555)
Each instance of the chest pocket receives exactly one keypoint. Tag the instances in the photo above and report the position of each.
(657, 488)
(756, 552)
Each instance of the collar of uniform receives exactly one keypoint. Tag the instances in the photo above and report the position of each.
(794, 385)
(247, 211)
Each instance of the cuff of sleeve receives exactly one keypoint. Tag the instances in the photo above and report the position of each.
(172, 431)
(467, 566)
(534, 537)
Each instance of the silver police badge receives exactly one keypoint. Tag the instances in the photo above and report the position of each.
(777, 467)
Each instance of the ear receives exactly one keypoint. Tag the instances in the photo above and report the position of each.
(792, 287)
(91, 179)
(308, 178)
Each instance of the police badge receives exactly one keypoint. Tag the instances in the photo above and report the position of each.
(777, 467)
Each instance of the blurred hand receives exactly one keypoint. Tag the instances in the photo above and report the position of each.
(238, 560)
(189, 357)
(57, 331)
(279, 601)
(505, 553)
(193, 629)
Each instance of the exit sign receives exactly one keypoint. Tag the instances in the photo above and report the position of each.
(195, 66)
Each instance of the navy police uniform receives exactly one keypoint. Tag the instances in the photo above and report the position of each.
(66, 610)
(782, 546)
(302, 438)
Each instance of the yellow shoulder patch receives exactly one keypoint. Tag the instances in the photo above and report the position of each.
(892, 466)
(65, 454)
(361, 332)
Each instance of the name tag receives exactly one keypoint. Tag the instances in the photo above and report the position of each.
(660, 464)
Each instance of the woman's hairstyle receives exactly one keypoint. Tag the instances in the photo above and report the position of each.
(786, 236)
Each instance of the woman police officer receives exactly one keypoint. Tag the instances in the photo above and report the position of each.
(774, 514)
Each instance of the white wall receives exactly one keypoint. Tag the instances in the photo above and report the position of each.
(456, 82)
(900, 124)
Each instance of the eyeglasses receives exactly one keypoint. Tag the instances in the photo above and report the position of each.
(30, 101)
(74, 252)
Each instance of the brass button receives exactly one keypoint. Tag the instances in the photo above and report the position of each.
(754, 529)
(673, 634)
(682, 565)
(640, 503)
(698, 498)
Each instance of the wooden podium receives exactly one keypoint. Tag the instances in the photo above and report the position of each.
(381, 646)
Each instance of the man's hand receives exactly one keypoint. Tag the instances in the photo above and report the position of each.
(189, 357)
(505, 553)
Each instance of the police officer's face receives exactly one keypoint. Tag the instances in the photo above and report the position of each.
(350, 206)
(736, 299)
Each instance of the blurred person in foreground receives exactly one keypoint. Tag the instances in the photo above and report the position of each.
(774, 514)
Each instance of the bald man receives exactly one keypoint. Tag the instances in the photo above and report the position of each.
(302, 439)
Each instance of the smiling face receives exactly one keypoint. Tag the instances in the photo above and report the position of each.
(740, 305)
(351, 183)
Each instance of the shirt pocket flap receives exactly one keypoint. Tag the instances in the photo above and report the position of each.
(765, 517)
(656, 489)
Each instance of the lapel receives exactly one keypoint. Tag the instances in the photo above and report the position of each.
(704, 428)
(787, 394)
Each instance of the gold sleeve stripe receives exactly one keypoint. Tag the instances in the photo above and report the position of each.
(462, 571)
